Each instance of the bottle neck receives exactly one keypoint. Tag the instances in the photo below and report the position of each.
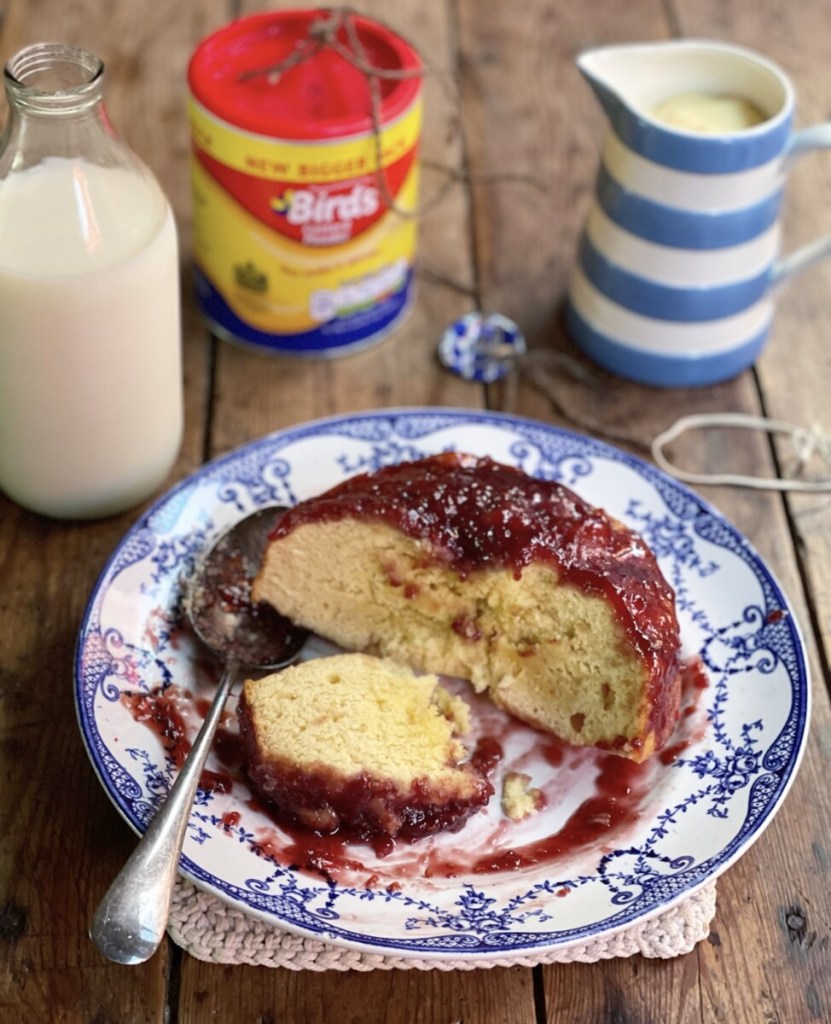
(52, 80)
(56, 107)
(58, 122)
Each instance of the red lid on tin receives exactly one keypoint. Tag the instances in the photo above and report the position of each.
(323, 96)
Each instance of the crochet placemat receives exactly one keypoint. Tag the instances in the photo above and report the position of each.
(211, 930)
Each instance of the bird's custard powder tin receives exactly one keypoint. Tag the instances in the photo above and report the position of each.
(305, 180)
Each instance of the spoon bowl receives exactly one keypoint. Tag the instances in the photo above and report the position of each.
(131, 919)
(218, 599)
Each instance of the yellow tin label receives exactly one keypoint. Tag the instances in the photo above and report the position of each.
(295, 245)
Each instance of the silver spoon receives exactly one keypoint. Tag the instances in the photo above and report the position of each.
(131, 919)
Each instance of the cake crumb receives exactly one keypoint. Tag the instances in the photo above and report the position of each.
(519, 799)
(454, 709)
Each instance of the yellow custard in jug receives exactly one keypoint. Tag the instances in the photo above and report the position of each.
(708, 113)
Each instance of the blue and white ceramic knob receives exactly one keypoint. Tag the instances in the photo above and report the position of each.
(481, 347)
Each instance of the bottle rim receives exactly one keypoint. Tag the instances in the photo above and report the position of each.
(54, 76)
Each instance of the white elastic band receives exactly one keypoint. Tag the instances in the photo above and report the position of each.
(806, 444)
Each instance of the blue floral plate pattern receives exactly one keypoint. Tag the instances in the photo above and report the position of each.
(706, 807)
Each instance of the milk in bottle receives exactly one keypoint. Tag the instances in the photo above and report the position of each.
(90, 360)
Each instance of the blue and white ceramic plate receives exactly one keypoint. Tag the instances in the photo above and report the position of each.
(729, 773)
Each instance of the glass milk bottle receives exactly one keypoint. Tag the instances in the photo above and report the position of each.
(90, 334)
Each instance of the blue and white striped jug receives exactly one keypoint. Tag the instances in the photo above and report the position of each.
(679, 260)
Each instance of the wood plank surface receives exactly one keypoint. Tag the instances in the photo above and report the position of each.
(510, 121)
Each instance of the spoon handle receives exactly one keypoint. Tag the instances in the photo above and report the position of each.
(131, 919)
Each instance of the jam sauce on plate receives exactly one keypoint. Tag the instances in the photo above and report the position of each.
(617, 794)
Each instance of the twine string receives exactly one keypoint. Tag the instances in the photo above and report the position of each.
(325, 32)
(555, 375)
(805, 443)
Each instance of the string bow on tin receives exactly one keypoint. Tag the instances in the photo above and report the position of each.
(337, 30)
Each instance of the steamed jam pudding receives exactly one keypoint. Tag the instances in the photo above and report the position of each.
(361, 743)
(459, 565)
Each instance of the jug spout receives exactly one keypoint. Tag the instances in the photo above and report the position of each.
(612, 73)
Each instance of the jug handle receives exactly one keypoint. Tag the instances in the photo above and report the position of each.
(808, 140)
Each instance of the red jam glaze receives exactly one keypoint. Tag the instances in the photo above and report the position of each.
(363, 807)
(486, 755)
(477, 514)
(621, 792)
(619, 789)
(693, 682)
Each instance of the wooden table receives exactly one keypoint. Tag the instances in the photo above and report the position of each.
(521, 138)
